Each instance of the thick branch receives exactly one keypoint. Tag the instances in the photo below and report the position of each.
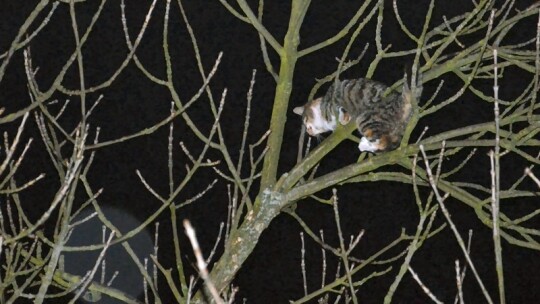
(289, 56)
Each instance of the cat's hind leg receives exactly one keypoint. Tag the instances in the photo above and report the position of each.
(369, 142)
(375, 141)
(367, 146)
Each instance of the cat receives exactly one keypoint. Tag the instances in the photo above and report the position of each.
(380, 120)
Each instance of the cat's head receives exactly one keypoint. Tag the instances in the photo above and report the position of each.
(313, 118)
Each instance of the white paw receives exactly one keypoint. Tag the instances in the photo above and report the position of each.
(366, 145)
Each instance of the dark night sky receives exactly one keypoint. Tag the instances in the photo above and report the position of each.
(272, 274)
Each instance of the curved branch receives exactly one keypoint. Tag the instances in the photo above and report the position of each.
(337, 36)
(22, 30)
(124, 64)
(259, 26)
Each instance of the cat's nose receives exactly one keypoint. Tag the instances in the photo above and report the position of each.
(310, 130)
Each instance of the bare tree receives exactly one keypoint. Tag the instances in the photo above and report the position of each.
(32, 252)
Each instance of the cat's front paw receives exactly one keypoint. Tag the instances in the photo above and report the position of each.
(367, 146)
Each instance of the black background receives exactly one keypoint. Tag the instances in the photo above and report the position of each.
(272, 273)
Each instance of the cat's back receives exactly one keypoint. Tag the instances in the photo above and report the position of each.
(355, 95)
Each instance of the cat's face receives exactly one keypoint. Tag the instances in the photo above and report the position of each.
(313, 119)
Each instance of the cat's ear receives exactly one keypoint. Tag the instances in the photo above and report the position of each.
(344, 116)
(298, 110)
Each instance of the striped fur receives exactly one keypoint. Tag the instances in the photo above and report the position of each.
(380, 120)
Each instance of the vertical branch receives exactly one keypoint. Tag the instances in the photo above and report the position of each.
(323, 253)
(459, 284)
(537, 68)
(80, 65)
(172, 210)
(378, 44)
(264, 49)
(343, 251)
(495, 181)
(303, 263)
(238, 184)
(288, 56)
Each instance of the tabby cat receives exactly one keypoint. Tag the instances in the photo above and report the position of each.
(380, 120)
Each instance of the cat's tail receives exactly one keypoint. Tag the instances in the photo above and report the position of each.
(412, 84)
(411, 92)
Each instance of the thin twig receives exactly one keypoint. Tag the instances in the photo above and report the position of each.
(201, 264)
(458, 237)
(323, 252)
(532, 176)
(303, 263)
(423, 286)
(459, 283)
(94, 269)
(344, 251)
